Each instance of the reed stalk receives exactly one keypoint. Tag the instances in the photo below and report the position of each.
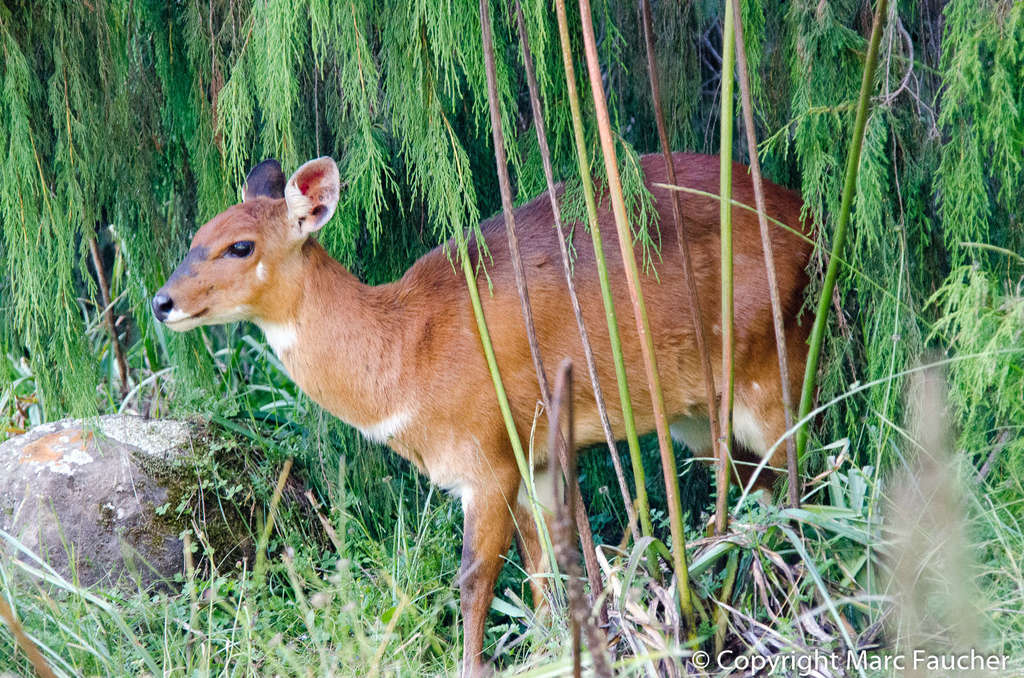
(722, 458)
(568, 559)
(632, 439)
(260, 567)
(792, 468)
(849, 189)
(120, 362)
(462, 248)
(696, 314)
(24, 642)
(643, 329)
(588, 351)
(505, 186)
(722, 612)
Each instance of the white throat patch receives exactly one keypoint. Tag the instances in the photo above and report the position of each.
(281, 337)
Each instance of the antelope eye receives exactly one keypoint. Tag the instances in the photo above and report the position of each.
(240, 249)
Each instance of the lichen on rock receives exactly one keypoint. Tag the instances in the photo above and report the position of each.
(107, 499)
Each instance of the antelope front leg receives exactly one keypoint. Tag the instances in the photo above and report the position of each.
(487, 536)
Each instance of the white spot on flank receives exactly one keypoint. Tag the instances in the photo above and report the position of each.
(281, 337)
(261, 271)
(464, 493)
(387, 428)
(757, 386)
(176, 315)
(746, 428)
(543, 485)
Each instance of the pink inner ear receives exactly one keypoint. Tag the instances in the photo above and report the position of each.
(309, 181)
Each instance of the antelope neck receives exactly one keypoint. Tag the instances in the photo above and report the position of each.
(333, 320)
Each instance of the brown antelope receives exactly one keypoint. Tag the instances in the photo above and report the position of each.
(403, 363)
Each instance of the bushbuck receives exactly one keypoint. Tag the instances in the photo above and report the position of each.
(403, 363)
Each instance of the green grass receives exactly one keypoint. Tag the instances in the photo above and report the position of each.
(370, 590)
(892, 546)
(373, 594)
(322, 613)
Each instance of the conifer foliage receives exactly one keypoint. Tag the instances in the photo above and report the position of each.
(130, 122)
(126, 124)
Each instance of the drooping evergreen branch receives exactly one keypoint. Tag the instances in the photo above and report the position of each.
(850, 267)
(769, 256)
(588, 351)
(696, 315)
(849, 188)
(44, 177)
(632, 440)
(643, 328)
(724, 446)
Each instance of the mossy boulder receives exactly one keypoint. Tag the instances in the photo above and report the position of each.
(107, 500)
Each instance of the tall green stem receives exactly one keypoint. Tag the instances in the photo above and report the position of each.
(721, 612)
(505, 184)
(632, 440)
(769, 256)
(668, 461)
(499, 386)
(725, 202)
(588, 351)
(849, 188)
(696, 314)
(492, 362)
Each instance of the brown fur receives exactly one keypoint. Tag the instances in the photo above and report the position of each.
(369, 354)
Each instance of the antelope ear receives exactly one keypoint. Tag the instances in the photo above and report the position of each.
(312, 194)
(265, 180)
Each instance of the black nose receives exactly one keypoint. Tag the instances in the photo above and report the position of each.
(162, 306)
